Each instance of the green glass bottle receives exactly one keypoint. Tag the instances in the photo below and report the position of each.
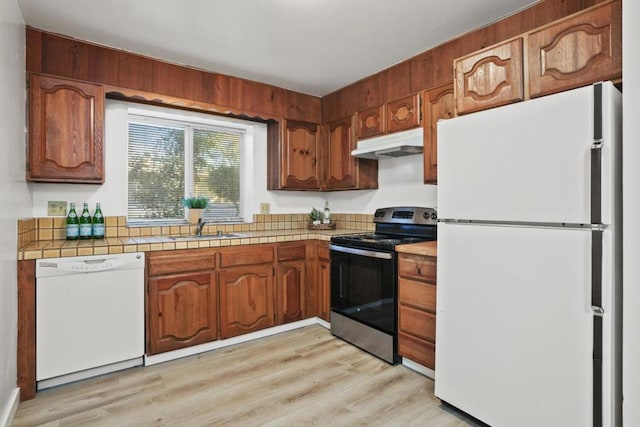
(98, 223)
(72, 223)
(85, 222)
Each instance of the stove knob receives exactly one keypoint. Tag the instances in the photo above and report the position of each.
(434, 216)
(425, 215)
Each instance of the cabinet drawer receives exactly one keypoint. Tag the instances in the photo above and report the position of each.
(417, 267)
(417, 294)
(418, 323)
(239, 255)
(323, 251)
(421, 351)
(180, 261)
(290, 251)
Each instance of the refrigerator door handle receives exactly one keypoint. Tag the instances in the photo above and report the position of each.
(598, 313)
(596, 157)
(597, 255)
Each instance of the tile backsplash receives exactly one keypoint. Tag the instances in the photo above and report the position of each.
(53, 228)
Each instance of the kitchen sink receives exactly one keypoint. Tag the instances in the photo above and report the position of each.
(210, 236)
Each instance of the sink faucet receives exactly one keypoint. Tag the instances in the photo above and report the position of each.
(199, 227)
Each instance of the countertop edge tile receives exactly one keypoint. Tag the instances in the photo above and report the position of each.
(422, 248)
(58, 248)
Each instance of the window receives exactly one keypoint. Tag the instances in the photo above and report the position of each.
(169, 159)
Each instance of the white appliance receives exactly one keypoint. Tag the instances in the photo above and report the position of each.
(395, 144)
(529, 303)
(89, 316)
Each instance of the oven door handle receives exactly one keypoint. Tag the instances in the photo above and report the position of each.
(363, 252)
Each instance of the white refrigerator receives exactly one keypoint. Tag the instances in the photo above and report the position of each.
(528, 326)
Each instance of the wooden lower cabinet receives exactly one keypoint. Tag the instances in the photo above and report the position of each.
(246, 299)
(324, 280)
(200, 295)
(182, 299)
(417, 308)
(291, 282)
(182, 311)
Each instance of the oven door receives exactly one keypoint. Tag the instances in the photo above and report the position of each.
(363, 286)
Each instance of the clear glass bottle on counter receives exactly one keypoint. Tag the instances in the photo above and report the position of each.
(326, 215)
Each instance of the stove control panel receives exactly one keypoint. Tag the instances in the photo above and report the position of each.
(406, 215)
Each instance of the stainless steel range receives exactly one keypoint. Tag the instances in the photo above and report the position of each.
(364, 278)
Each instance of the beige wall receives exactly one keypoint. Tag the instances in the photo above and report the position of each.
(15, 200)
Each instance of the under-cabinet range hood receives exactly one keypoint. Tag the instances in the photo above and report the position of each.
(392, 145)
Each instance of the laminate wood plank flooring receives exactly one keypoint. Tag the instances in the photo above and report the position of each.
(299, 378)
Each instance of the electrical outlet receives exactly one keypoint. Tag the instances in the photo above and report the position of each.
(265, 208)
(56, 208)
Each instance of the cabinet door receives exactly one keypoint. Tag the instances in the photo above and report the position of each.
(489, 78)
(300, 148)
(577, 51)
(324, 280)
(181, 311)
(291, 291)
(403, 113)
(65, 131)
(371, 122)
(246, 299)
(438, 104)
(341, 165)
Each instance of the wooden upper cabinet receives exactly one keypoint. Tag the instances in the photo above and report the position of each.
(579, 50)
(341, 166)
(403, 113)
(490, 77)
(66, 121)
(293, 156)
(438, 104)
(342, 170)
(371, 122)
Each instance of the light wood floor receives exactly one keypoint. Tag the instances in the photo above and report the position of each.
(298, 378)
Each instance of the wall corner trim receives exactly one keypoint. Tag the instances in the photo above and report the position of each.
(9, 408)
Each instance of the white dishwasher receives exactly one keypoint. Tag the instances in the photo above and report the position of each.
(89, 316)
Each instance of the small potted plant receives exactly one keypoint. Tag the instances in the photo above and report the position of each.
(195, 206)
(315, 216)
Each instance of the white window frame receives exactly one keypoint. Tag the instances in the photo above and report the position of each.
(168, 116)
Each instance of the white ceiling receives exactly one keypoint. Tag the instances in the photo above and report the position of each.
(311, 46)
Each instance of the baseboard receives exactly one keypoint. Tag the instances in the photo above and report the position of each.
(213, 345)
(10, 408)
(421, 369)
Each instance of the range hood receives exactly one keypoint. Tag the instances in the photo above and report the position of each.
(392, 145)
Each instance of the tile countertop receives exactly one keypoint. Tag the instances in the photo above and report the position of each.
(422, 248)
(116, 245)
